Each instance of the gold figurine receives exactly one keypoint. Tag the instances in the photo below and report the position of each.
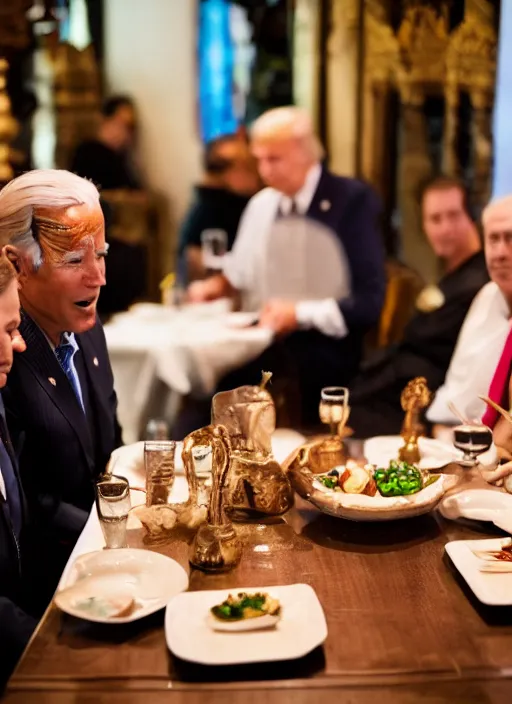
(415, 397)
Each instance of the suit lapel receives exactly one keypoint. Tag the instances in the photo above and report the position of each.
(325, 201)
(94, 373)
(44, 365)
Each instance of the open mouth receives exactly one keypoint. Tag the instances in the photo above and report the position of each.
(86, 302)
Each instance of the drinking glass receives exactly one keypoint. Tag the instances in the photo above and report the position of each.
(202, 455)
(334, 409)
(113, 505)
(473, 440)
(214, 245)
(159, 466)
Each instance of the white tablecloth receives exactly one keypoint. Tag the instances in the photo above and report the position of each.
(154, 350)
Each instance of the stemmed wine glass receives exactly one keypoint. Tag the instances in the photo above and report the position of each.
(473, 439)
(334, 409)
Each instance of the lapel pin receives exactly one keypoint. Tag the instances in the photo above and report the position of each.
(325, 205)
(52, 381)
(95, 362)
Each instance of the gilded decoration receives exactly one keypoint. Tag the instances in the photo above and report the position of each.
(419, 59)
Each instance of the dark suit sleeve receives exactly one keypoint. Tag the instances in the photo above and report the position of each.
(16, 628)
(364, 247)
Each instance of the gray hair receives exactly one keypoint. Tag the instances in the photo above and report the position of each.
(41, 188)
(288, 122)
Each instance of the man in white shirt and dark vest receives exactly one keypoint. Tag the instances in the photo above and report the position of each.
(319, 341)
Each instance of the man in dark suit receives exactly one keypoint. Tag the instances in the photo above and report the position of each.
(60, 400)
(16, 624)
(431, 335)
(320, 339)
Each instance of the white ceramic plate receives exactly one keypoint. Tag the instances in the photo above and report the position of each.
(301, 628)
(149, 577)
(492, 588)
(480, 505)
(434, 453)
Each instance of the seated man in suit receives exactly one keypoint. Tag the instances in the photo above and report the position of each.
(320, 339)
(16, 624)
(430, 337)
(59, 399)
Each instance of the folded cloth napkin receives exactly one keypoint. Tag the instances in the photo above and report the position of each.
(499, 383)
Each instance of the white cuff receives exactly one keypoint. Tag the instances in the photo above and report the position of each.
(324, 315)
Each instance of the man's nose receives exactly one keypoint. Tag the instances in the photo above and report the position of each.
(18, 343)
(95, 273)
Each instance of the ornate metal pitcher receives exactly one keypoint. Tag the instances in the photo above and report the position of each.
(256, 485)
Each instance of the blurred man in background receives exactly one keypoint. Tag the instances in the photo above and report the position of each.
(107, 160)
(318, 341)
(430, 337)
(230, 179)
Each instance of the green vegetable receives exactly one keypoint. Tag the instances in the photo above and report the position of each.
(399, 479)
(329, 482)
(233, 609)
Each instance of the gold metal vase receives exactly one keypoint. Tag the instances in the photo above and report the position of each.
(216, 546)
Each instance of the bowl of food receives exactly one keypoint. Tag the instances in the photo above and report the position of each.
(364, 492)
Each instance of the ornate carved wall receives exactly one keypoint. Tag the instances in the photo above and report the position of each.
(405, 67)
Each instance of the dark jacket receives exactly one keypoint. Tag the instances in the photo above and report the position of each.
(61, 450)
(16, 625)
(426, 350)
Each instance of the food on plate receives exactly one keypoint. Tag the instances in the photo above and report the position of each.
(245, 612)
(351, 479)
(106, 607)
(401, 479)
(496, 560)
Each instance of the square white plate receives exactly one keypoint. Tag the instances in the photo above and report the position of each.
(301, 628)
(492, 588)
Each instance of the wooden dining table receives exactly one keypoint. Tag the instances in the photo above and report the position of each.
(403, 626)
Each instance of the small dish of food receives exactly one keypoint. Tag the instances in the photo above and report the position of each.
(245, 612)
(229, 627)
(485, 566)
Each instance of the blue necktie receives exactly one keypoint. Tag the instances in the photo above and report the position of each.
(12, 489)
(65, 353)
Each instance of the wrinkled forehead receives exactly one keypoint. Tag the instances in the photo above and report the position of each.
(69, 226)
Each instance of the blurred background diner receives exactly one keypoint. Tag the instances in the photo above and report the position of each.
(157, 105)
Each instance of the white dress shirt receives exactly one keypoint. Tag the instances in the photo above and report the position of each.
(2, 485)
(247, 258)
(475, 358)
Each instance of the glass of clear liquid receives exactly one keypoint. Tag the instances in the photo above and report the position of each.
(202, 455)
(159, 463)
(334, 409)
(214, 245)
(113, 505)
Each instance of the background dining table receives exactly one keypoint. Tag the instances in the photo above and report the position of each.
(403, 626)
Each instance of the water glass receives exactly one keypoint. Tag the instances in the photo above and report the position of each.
(159, 466)
(214, 245)
(113, 505)
(202, 455)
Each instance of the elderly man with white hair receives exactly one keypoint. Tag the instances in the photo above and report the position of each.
(321, 338)
(60, 400)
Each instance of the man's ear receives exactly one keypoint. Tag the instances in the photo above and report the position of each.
(17, 259)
